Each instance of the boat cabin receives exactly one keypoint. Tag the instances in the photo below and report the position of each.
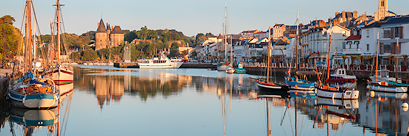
(340, 71)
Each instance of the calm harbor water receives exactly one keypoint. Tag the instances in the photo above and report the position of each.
(114, 101)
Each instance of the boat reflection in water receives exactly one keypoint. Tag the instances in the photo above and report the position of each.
(383, 113)
(38, 122)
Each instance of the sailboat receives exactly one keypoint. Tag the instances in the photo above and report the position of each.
(337, 92)
(295, 83)
(27, 89)
(265, 84)
(60, 73)
(386, 83)
(225, 66)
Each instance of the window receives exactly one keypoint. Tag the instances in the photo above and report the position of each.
(350, 44)
(357, 45)
(386, 33)
(397, 32)
(367, 47)
(382, 3)
(367, 33)
(343, 45)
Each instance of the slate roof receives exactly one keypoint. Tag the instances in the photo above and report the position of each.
(101, 27)
(398, 20)
(117, 30)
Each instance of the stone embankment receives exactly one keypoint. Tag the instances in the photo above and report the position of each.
(184, 65)
(3, 85)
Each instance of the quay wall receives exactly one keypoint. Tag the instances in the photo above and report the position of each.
(360, 74)
(184, 65)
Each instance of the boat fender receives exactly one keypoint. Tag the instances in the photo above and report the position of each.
(24, 99)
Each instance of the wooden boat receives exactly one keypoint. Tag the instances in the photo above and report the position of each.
(230, 71)
(295, 83)
(298, 84)
(31, 92)
(26, 90)
(62, 74)
(385, 83)
(344, 93)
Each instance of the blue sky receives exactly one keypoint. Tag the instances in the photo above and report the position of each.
(189, 16)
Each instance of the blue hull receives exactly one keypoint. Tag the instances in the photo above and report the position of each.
(300, 84)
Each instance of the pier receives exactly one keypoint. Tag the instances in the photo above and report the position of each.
(184, 65)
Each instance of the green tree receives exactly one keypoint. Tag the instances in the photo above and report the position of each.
(209, 34)
(199, 38)
(89, 55)
(129, 37)
(7, 19)
(174, 50)
(12, 38)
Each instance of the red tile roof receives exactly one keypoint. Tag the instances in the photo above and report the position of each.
(354, 37)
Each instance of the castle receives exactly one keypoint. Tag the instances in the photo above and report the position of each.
(107, 37)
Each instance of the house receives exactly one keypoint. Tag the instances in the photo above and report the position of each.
(394, 38)
(278, 31)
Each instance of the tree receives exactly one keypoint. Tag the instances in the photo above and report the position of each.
(199, 38)
(391, 58)
(174, 50)
(130, 36)
(7, 19)
(12, 35)
(194, 53)
(353, 57)
(209, 34)
(89, 55)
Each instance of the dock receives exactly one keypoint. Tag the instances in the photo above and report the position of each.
(184, 65)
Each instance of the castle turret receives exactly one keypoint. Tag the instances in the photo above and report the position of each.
(101, 36)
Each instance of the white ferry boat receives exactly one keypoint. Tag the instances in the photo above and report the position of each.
(161, 62)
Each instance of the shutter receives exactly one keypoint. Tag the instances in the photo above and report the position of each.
(381, 48)
(401, 32)
(392, 33)
(393, 48)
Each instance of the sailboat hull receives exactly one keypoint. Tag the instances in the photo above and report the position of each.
(267, 87)
(337, 94)
(394, 89)
(35, 101)
(223, 67)
(63, 79)
(300, 85)
(34, 117)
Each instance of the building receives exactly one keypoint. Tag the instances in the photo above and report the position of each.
(278, 31)
(383, 10)
(107, 37)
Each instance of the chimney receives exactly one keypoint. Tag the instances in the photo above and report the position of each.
(355, 14)
(112, 27)
(98, 24)
(336, 14)
(343, 16)
(365, 23)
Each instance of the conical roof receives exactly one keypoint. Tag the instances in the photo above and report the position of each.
(101, 27)
(117, 30)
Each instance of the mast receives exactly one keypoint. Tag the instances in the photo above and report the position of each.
(268, 122)
(231, 51)
(58, 30)
(51, 46)
(329, 54)
(296, 41)
(397, 58)
(268, 53)
(225, 32)
(30, 41)
(377, 55)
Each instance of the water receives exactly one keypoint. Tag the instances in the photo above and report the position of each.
(113, 101)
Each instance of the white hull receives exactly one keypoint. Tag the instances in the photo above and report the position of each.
(387, 89)
(224, 67)
(345, 95)
(63, 79)
(167, 65)
(24, 102)
(347, 104)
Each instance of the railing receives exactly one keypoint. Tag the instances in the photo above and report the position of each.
(352, 49)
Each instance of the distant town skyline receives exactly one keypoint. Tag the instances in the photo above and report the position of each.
(189, 16)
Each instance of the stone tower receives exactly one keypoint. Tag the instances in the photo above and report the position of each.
(383, 10)
(101, 36)
(117, 36)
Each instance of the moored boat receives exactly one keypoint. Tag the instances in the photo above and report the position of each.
(298, 84)
(240, 69)
(161, 62)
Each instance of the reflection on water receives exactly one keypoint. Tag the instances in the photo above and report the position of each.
(111, 101)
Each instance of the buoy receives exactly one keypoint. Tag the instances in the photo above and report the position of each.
(372, 94)
(405, 106)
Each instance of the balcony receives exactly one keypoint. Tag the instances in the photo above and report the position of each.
(352, 51)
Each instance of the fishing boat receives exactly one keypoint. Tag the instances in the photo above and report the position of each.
(240, 69)
(265, 84)
(296, 83)
(385, 83)
(161, 62)
(61, 73)
(26, 89)
(337, 92)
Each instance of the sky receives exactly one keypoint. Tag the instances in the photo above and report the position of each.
(189, 16)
